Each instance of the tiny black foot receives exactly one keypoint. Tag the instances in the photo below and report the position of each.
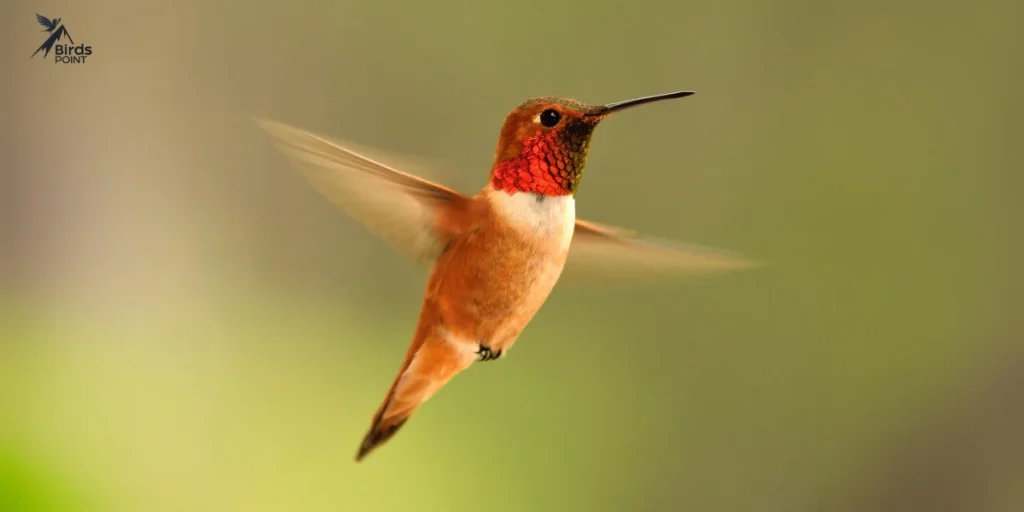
(486, 354)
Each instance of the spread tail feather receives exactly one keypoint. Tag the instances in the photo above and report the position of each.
(428, 366)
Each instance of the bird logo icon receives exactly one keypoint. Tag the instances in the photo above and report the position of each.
(56, 30)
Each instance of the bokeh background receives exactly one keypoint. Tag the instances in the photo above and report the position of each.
(187, 326)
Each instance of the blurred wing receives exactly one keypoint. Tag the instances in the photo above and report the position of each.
(406, 211)
(44, 21)
(606, 253)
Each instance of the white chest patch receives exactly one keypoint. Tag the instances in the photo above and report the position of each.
(545, 216)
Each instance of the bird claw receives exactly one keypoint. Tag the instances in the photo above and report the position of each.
(486, 354)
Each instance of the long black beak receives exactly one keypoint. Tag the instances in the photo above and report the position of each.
(604, 110)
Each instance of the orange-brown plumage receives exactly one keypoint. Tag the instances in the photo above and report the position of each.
(483, 290)
(497, 255)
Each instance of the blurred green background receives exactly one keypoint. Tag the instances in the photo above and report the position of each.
(186, 325)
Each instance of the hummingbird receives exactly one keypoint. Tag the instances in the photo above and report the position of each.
(495, 256)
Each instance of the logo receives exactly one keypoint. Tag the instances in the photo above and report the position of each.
(62, 53)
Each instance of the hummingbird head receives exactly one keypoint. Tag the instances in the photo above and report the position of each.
(544, 142)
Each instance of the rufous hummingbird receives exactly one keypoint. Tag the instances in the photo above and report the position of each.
(496, 255)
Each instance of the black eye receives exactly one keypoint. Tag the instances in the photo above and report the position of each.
(550, 118)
